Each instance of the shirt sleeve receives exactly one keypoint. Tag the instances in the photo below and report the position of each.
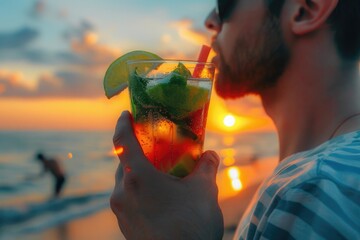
(316, 209)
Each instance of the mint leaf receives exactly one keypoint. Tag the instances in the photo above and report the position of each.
(182, 71)
(140, 100)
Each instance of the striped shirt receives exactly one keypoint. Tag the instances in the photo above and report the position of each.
(313, 194)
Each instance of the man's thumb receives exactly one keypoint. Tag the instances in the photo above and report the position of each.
(208, 164)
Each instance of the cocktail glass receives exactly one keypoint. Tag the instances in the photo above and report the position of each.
(169, 103)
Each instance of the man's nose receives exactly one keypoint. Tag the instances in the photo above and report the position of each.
(212, 22)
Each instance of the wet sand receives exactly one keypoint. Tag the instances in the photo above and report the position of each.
(103, 224)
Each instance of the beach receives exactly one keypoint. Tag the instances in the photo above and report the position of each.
(103, 224)
(82, 211)
(100, 225)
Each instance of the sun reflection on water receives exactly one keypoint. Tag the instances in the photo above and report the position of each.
(234, 175)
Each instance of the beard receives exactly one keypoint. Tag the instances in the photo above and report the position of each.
(256, 63)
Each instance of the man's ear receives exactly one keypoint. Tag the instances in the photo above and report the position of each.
(309, 15)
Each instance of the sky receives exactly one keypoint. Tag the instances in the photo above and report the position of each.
(54, 54)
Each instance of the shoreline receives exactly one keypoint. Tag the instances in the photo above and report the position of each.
(102, 224)
(99, 225)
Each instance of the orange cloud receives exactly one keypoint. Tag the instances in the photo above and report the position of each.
(166, 38)
(92, 52)
(14, 78)
(13, 81)
(177, 45)
(87, 57)
(187, 32)
(65, 84)
(38, 8)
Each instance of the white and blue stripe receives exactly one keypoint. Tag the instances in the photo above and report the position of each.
(311, 195)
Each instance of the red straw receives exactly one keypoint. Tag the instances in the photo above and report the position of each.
(204, 54)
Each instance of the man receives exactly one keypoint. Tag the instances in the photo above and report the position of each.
(301, 58)
(53, 166)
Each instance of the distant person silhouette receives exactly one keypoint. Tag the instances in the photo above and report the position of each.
(53, 166)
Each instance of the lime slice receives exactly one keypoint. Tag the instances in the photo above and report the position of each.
(116, 77)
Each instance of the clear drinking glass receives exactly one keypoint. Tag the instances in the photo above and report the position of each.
(169, 103)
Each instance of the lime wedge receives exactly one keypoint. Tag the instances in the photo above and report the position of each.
(116, 77)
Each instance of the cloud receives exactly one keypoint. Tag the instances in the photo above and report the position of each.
(91, 52)
(166, 38)
(84, 51)
(43, 57)
(40, 56)
(85, 46)
(41, 8)
(18, 39)
(62, 84)
(78, 84)
(183, 32)
(75, 32)
(190, 33)
(13, 82)
(80, 68)
(38, 9)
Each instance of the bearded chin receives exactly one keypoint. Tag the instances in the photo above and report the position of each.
(229, 84)
(227, 88)
(247, 76)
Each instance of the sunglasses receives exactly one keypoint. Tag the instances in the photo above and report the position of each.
(225, 8)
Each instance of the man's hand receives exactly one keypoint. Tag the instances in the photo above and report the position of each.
(150, 204)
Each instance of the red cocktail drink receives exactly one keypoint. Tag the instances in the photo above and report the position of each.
(170, 106)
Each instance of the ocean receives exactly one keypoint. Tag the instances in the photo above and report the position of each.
(90, 164)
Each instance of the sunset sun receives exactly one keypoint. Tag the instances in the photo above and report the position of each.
(229, 120)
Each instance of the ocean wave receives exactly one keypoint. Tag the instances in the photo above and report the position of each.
(8, 188)
(35, 217)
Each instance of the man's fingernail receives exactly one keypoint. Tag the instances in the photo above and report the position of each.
(124, 114)
(127, 115)
(213, 157)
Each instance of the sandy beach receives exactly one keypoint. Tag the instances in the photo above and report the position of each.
(103, 224)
